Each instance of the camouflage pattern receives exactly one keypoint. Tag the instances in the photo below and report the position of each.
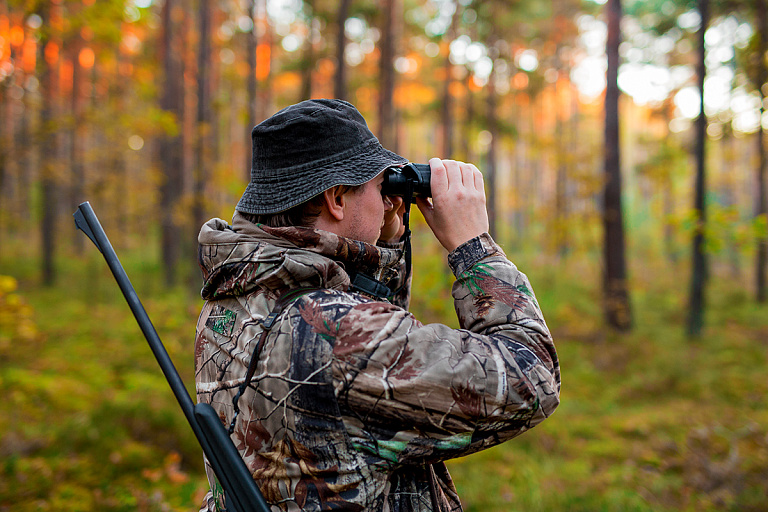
(355, 404)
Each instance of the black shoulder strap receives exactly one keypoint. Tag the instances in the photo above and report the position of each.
(266, 325)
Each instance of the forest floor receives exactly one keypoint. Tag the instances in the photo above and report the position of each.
(649, 421)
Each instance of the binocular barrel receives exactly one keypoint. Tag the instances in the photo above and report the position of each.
(398, 181)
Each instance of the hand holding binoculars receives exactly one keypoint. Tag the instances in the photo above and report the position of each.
(411, 179)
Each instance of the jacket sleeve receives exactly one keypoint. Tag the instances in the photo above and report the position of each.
(413, 393)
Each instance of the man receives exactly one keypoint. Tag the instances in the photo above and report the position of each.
(353, 404)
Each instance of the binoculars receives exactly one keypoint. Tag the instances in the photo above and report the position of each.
(411, 179)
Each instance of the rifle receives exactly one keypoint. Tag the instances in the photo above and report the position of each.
(240, 490)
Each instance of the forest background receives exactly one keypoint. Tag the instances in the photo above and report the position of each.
(624, 155)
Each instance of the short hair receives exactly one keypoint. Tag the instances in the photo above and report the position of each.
(301, 215)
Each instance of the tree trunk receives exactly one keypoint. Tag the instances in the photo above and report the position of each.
(309, 53)
(668, 199)
(561, 180)
(77, 138)
(699, 264)
(171, 144)
(668, 204)
(252, 94)
(615, 289)
(761, 210)
(6, 128)
(446, 108)
(340, 77)
(466, 146)
(387, 76)
(730, 198)
(203, 144)
(5, 131)
(48, 60)
(490, 166)
(267, 97)
(26, 168)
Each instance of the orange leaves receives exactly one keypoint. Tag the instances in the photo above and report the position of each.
(520, 81)
(29, 55)
(16, 36)
(475, 85)
(51, 53)
(86, 58)
(289, 80)
(457, 90)
(5, 47)
(413, 95)
(263, 61)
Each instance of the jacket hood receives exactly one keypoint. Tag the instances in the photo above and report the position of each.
(239, 258)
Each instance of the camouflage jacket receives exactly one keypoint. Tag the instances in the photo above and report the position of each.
(354, 404)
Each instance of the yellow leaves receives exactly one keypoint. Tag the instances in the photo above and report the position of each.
(7, 285)
(16, 323)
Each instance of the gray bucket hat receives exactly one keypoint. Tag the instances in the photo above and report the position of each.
(308, 148)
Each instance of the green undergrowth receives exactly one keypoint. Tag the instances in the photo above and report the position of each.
(649, 420)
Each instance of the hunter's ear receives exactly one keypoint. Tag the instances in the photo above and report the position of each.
(335, 202)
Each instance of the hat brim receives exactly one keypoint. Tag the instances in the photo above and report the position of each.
(283, 189)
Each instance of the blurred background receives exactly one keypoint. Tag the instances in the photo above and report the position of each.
(624, 157)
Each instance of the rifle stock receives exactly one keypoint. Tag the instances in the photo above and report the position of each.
(240, 490)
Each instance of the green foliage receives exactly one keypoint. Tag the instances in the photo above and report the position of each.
(648, 421)
(88, 421)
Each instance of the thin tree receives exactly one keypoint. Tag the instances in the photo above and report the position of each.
(561, 183)
(6, 129)
(387, 76)
(761, 209)
(251, 45)
(204, 114)
(615, 289)
(77, 134)
(493, 128)
(48, 61)
(446, 107)
(699, 263)
(340, 77)
(170, 145)
(308, 63)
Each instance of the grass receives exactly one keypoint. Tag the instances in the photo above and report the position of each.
(649, 421)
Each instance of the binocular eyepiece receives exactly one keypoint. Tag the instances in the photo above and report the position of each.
(411, 179)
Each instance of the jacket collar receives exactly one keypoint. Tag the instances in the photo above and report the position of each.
(236, 259)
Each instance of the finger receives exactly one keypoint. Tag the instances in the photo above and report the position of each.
(426, 209)
(397, 204)
(439, 176)
(467, 175)
(453, 172)
(478, 178)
